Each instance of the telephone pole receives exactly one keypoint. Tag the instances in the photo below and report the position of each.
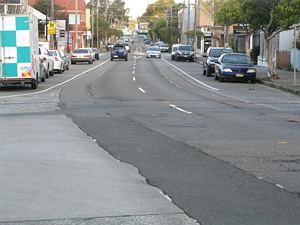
(76, 24)
(51, 19)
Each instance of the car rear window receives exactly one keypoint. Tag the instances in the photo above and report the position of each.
(80, 51)
(236, 59)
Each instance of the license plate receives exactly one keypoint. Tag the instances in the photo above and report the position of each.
(239, 75)
(116, 56)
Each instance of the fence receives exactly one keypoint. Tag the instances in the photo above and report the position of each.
(297, 59)
(283, 59)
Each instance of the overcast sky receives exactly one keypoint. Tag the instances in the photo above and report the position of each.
(138, 7)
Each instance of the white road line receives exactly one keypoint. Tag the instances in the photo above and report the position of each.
(133, 72)
(57, 85)
(278, 185)
(142, 90)
(179, 109)
(133, 78)
(194, 79)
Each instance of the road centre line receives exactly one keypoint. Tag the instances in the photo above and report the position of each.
(142, 90)
(133, 78)
(194, 79)
(179, 109)
(57, 85)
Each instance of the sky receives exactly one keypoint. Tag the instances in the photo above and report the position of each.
(138, 7)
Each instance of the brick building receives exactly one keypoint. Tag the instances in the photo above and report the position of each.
(68, 7)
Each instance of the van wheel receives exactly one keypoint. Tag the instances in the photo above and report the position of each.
(34, 84)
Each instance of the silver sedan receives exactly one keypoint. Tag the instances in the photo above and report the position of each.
(153, 52)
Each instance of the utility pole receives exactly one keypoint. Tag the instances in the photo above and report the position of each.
(295, 40)
(51, 19)
(76, 24)
(97, 28)
(189, 18)
(93, 22)
(195, 29)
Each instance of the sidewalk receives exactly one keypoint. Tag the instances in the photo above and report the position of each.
(285, 81)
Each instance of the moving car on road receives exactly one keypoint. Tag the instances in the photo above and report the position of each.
(119, 52)
(58, 61)
(153, 52)
(164, 47)
(82, 55)
(184, 52)
(235, 66)
(211, 56)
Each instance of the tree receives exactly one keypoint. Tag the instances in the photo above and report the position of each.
(162, 18)
(111, 18)
(270, 16)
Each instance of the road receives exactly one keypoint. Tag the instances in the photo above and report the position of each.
(149, 141)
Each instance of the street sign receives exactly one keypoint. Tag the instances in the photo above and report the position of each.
(10, 2)
(51, 28)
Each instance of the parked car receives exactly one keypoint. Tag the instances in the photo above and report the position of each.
(211, 56)
(82, 55)
(184, 52)
(66, 59)
(235, 66)
(47, 61)
(153, 52)
(119, 52)
(96, 53)
(58, 61)
(109, 46)
(174, 48)
(164, 47)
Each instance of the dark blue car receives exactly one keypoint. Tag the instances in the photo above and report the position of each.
(119, 52)
(235, 67)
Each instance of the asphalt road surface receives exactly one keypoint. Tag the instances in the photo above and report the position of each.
(219, 153)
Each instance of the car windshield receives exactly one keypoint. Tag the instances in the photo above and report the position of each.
(80, 51)
(153, 49)
(94, 49)
(236, 59)
(164, 45)
(218, 52)
(185, 48)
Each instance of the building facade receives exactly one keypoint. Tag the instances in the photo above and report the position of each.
(68, 7)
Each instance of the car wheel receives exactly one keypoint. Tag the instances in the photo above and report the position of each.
(126, 59)
(216, 77)
(111, 59)
(34, 83)
(73, 62)
(208, 72)
(253, 81)
(221, 79)
(51, 73)
(172, 57)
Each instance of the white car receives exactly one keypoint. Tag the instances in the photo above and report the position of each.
(153, 52)
(174, 48)
(164, 47)
(47, 61)
(58, 61)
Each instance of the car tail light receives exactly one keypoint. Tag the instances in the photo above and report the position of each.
(73, 56)
(55, 58)
(87, 56)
